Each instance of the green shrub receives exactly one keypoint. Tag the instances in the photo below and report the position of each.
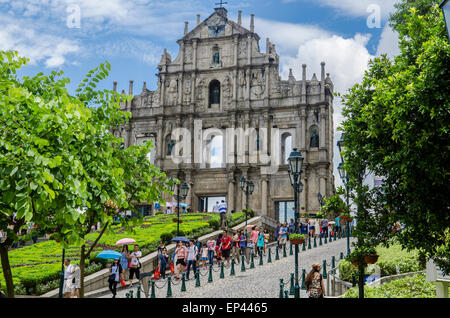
(166, 237)
(346, 270)
(409, 287)
(214, 224)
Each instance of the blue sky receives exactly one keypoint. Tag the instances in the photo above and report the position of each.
(131, 35)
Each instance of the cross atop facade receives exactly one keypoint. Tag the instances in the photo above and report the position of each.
(221, 3)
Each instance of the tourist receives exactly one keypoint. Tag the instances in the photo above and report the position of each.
(254, 237)
(181, 254)
(325, 227)
(135, 265)
(260, 243)
(337, 224)
(215, 208)
(314, 282)
(223, 213)
(124, 260)
(114, 276)
(243, 245)
(192, 252)
(75, 281)
(283, 234)
(225, 246)
(163, 262)
(199, 247)
(68, 278)
(235, 249)
(161, 247)
(266, 240)
(211, 250)
(277, 233)
(204, 252)
(291, 228)
(218, 253)
(311, 227)
(168, 211)
(304, 227)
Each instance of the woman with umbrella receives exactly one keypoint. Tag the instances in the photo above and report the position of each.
(123, 261)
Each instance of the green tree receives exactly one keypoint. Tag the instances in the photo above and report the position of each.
(402, 12)
(334, 205)
(397, 126)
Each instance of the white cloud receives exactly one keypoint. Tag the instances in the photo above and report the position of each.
(52, 50)
(359, 7)
(388, 43)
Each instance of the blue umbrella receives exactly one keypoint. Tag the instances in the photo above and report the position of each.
(108, 254)
(181, 238)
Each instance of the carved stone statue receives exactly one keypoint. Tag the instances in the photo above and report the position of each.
(172, 93)
(170, 146)
(314, 141)
(227, 93)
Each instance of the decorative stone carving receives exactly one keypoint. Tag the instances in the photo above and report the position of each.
(242, 83)
(243, 49)
(257, 84)
(172, 93)
(227, 90)
(187, 89)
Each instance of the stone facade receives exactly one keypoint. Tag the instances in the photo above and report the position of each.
(221, 77)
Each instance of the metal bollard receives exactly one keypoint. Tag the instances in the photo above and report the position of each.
(291, 291)
(281, 288)
(286, 295)
(333, 262)
(169, 287)
(183, 282)
(269, 258)
(252, 263)
(277, 255)
(341, 256)
(152, 294)
(325, 240)
(210, 278)
(243, 264)
(315, 241)
(324, 269)
(303, 279)
(290, 249)
(138, 290)
(232, 267)
(309, 243)
(261, 259)
(197, 281)
(320, 241)
(222, 275)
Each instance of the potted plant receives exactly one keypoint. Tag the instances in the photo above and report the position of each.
(370, 255)
(356, 256)
(296, 238)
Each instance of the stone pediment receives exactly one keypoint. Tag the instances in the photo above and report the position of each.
(215, 27)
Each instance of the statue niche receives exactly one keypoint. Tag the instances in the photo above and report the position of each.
(314, 140)
(214, 93)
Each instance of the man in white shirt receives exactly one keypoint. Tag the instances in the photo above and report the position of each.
(135, 264)
(223, 212)
(168, 211)
(191, 258)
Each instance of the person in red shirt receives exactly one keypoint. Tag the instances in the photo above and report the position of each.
(225, 245)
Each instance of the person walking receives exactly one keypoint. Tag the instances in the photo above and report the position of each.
(215, 208)
(291, 228)
(337, 224)
(325, 227)
(243, 245)
(311, 227)
(192, 253)
(283, 235)
(260, 243)
(277, 233)
(266, 240)
(124, 261)
(225, 246)
(204, 252)
(236, 248)
(211, 249)
(223, 214)
(254, 237)
(181, 254)
(163, 262)
(114, 276)
(314, 282)
(75, 281)
(135, 265)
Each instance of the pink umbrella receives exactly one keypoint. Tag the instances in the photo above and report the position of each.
(125, 241)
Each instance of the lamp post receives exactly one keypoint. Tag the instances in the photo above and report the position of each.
(445, 6)
(295, 170)
(344, 177)
(184, 192)
(247, 186)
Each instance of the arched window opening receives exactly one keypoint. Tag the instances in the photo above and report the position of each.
(214, 93)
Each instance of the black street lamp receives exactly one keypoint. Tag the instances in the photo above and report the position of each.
(184, 193)
(445, 6)
(295, 170)
(248, 187)
(344, 177)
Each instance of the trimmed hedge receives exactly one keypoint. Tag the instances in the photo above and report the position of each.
(390, 258)
(414, 286)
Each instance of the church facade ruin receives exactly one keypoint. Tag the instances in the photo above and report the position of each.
(221, 81)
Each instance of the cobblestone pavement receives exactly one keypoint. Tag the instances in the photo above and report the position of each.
(259, 282)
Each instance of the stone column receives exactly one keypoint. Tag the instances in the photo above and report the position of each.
(323, 125)
(304, 84)
(231, 189)
(303, 145)
(264, 194)
(194, 56)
